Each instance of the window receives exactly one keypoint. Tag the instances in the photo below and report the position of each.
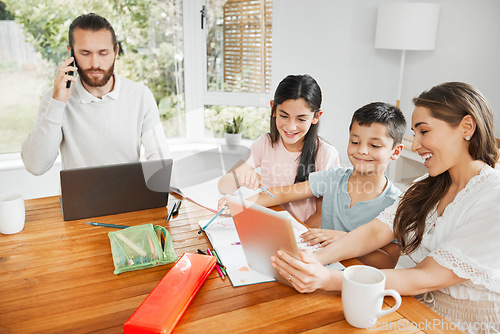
(239, 45)
(21, 76)
(231, 50)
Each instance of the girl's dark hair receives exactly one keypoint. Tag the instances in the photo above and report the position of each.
(92, 22)
(295, 87)
(448, 102)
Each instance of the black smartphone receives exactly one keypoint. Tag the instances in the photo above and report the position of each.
(68, 83)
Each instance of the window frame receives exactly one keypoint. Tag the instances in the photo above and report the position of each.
(197, 95)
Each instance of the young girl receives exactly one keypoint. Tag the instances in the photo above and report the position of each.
(447, 221)
(291, 150)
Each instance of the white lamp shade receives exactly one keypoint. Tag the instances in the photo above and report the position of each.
(407, 26)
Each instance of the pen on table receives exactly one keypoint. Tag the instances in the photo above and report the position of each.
(211, 220)
(217, 259)
(216, 265)
(107, 225)
(236, 243)
(266, 191)
(222, 267)
(173, 210)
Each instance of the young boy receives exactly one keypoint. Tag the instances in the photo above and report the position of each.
(353, 196)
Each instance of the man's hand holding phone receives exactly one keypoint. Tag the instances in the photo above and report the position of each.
(68, 83)
(61, 90)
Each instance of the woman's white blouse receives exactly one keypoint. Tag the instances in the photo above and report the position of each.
(466, 238)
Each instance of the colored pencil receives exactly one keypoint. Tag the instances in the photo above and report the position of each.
(266, 191)
(211, 220)
(216, 266)
(175, 209)
(107, 225)
(202, 252)
(131, 244)
(172, 211)
(222, 267)
(150, 241)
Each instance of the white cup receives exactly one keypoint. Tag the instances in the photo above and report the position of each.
(11, 213)
(363, 291)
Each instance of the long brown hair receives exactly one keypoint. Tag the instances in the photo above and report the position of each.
(295, 87)
(449, 102)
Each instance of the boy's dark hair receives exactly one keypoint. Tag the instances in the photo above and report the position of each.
(295, 87)
(385, 114)
(91, 22)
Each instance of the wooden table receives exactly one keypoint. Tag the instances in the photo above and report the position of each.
(57, 277)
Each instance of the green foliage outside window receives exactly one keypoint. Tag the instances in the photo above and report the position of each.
(4, 13)
(255, 119)
(149, 33)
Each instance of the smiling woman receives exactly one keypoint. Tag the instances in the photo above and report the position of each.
(447, 221)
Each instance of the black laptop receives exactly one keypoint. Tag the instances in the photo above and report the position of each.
(110, 189)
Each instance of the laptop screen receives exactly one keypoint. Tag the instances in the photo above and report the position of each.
(110, 189)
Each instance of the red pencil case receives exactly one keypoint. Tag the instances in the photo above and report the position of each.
(164, 306)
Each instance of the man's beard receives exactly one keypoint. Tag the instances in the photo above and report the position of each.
(94, 82)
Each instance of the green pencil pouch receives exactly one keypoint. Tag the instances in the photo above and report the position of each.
(140, 247)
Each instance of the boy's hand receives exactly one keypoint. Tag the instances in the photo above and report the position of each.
(323, 237)
(61, 93)
(250, 179)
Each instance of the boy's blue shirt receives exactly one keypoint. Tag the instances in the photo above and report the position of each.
(336, 213)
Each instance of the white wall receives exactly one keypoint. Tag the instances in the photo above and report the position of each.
(313, 38)
(467, 49)
(15, 179)
(332, 40)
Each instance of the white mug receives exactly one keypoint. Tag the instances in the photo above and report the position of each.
(11, 213)
(363, 291)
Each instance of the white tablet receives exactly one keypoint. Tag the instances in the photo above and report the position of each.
(262, 233)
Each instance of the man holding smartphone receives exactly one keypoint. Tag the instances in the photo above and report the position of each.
(98, 118)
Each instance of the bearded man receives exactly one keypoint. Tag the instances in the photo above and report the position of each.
(98, 118)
